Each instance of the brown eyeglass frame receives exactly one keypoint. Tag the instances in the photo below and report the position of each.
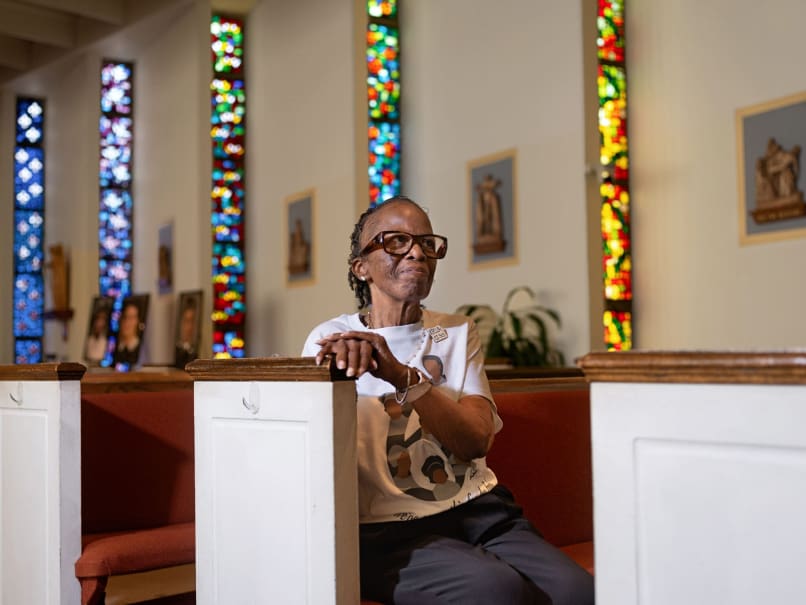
(376, 243)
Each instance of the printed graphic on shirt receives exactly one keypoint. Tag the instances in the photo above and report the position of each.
(433, 365)
(419, 464)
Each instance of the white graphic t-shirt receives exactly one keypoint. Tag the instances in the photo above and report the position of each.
(404, 472)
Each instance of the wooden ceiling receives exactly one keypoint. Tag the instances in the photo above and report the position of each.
(36, 32)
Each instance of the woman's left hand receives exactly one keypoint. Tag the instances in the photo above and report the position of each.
(359, 352)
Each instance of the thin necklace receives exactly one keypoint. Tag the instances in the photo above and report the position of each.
(368, 318)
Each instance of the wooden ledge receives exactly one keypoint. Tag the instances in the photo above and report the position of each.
(294, 369)
(107, 380)
(538, 384)
(43, 371)
(776, 367)
(532, 372)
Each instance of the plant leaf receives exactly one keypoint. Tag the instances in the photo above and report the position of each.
(495, 346)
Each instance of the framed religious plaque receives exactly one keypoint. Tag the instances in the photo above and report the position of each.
(492, 210)
(770, 139)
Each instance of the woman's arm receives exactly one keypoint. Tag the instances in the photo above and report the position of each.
(466, 427)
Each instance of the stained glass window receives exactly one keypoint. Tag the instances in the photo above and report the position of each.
(614, 184)
(29, 228)
(115, 213)
(383, 99)
(227, 123)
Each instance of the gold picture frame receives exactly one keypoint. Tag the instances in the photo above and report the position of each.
(492, 210)
(770, 138)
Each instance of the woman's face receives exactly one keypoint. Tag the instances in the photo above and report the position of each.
(129, 322)
(99, 323)
(405, 278)
(187, 325)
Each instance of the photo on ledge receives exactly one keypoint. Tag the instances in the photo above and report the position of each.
(97, 340)
(299, 238)
(188, 328)
(129, 337)
(491, 208)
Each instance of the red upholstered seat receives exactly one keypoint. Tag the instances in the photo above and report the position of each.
(137, 485)
(582, 553)
(114, 553)
(543, 455)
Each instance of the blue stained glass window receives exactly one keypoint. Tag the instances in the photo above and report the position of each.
(28, 234)
(29, 181)
(30, 121)
(28, 305)
(116, 207)
(29, 231)
(116, 151)
(27, 351)
(116, 277)
(116, 88)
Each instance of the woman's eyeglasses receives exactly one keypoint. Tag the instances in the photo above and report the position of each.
(399, 243)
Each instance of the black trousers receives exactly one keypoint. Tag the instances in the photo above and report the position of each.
(483, 552)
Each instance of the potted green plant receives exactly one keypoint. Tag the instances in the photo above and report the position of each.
(520, 333)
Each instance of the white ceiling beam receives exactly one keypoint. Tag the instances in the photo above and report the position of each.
(15, 53)
(37, 24)
(108, 11)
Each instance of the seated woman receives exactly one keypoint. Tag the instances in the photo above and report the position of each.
(435, 525)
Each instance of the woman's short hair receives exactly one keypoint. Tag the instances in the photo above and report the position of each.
(361, 288)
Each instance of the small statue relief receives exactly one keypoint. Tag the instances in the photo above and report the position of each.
(299, 251)
(488, 226)
(777, 194)
(59, 278)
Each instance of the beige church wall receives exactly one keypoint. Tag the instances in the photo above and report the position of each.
(691, 66)
(482, 77)
(300, 106)
(71, 161)
(476, 80)
(171, 166)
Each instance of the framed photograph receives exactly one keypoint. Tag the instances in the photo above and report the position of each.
(492, 209)
(129, 336)
(299, 238)
(97, 340)
(770, 140)
(188, 328)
